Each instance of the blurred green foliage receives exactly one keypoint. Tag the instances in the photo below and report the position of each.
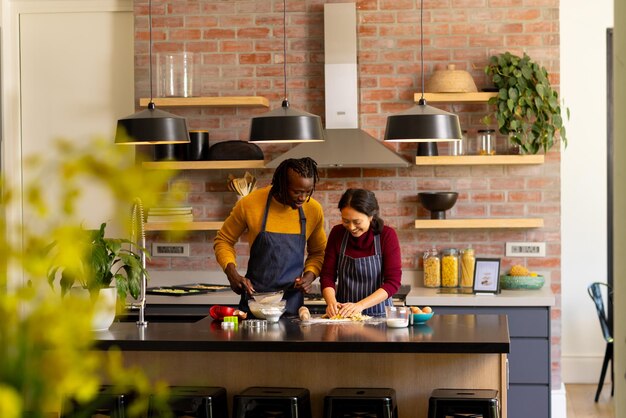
(46, 343)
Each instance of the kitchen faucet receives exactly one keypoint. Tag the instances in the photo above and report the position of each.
(138, 238)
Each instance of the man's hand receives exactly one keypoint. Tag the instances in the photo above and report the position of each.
(238, 283)
(305, 282)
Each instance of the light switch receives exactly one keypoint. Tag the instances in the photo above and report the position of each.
(525, 249)
(168, 249)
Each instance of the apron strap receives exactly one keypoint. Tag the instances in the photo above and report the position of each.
(267, 209)
(302, 223)
(377, 247)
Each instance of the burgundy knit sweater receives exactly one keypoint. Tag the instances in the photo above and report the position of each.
(363, 246)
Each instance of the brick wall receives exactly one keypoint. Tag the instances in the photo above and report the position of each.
(240, 45)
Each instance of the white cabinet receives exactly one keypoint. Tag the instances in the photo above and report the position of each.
(68, 73)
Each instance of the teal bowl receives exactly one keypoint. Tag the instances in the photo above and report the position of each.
(420, 318)
(521, 282)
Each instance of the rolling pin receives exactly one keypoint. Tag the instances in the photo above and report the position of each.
(304, 313)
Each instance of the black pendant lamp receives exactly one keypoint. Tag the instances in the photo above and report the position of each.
(151, 126)
(423, 123)
(286, 124)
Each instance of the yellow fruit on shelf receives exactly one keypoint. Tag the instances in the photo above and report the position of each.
(518, 270)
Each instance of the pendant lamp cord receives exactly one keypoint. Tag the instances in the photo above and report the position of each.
(151, 103)
(285, 101)
(422, 100)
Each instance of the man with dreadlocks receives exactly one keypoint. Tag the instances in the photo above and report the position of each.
(285, 229)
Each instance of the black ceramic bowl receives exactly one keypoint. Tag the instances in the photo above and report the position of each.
(437, 202)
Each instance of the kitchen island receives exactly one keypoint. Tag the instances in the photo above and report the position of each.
(450, 351)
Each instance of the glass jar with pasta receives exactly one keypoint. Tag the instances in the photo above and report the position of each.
(432, 270)
(467, 267)
(450, 268)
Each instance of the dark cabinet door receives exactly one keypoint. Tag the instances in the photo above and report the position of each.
(529, 361)
(526, 401)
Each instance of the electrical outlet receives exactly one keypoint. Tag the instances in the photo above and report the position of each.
(525, 249)
(167, 249)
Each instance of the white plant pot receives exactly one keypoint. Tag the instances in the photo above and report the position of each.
(104, 307)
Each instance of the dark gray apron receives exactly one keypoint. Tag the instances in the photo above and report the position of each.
(276, 259)
(360, 277)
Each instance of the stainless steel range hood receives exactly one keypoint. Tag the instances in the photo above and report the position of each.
(345, 148)
(346, 145)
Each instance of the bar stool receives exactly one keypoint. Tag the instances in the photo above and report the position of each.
(257, 402)
(108, 401)
(361, 402)
(193, 401)
(463, 402)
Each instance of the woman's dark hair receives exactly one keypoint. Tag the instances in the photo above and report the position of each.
(365, 202)
(305, 167)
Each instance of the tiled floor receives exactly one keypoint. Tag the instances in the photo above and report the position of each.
(580, 402)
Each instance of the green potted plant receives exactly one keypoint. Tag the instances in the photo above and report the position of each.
(104, 260)
(527, 108)
(104, 268)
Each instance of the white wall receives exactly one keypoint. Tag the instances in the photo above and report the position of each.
(583, 183)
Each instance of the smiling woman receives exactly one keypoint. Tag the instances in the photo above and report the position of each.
(363, 257)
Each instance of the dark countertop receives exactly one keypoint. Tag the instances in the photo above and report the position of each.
(441, 334)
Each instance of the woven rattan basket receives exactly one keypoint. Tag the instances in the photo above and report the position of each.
(451, 80)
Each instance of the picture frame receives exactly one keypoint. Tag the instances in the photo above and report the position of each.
(487, 275)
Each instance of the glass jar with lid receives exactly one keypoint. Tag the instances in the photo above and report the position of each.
(450, 268)
(486, 142)
(467, 267)
(432, 271)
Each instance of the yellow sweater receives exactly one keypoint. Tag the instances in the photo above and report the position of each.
(248, 215)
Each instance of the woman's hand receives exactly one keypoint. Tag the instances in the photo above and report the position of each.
(347, 310)
(238, 283)
(332, 309)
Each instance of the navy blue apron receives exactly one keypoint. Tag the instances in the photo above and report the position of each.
(360, 277)
(276, 259)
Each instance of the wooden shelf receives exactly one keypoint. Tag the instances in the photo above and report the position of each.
(479, 97)
(203, 165)
(222, 101)
(183, 226)
(479, 223)
(481, 160)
